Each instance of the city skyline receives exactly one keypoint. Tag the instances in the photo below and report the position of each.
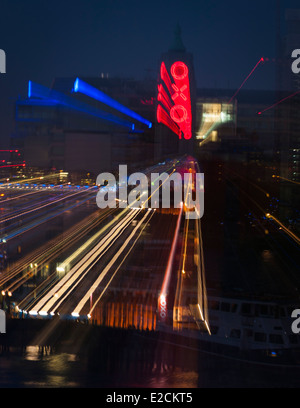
(119, 122)
(61, 40)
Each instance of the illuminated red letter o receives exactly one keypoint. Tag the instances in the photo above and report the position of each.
(179, 70)
(178, 113)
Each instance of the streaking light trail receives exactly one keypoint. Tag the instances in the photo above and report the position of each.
(77, 273)
(86, 89)
(119, 266)
(43, 206)
(46, 218)
(246, 79)
(167, 276)
(286, 230)
(49, 251)
(28, 180)
(279, 102)
(14, 165)
(38, 91)
(107, 268)
(286, 179)
(43, 255)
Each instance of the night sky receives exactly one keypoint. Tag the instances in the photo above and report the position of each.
(58, 38)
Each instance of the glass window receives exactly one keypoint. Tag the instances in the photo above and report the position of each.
(235, 334)
(214, 329)
(246, 308)
(261, 337)
(214, 305)
(225, 307)
(276, 339)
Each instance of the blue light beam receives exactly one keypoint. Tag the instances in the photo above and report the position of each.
(39, 91)
(86, 89)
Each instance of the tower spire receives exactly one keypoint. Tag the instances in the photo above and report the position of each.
(177, 44)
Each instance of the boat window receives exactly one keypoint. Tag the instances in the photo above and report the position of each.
(256, 308)
(293, 339)
(282, 312)
(248, 333)
(235, 334)
(261, 337)
(234, 308)
(225, 307)
(264, 310)
(214, 329)
(213, 305)
(276, 339)
(246, 308)
(273, 311)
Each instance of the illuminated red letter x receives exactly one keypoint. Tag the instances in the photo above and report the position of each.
(179, 92)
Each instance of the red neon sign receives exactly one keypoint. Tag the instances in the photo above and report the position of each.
(164, 98)
(179, 70)
(179, 114)
(174, 106)
(163, 117)
(179, 92)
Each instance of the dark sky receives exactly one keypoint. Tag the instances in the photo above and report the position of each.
(47, 39)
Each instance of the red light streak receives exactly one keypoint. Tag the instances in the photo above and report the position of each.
(246, 79)
(167, 276)
(164, 98)
(14, 165)
(163, 117)
(162, 90)
(164, 102)
(277, 103)
(166, 78)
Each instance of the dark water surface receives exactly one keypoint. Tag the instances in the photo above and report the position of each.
(67, 370)
(33, 369)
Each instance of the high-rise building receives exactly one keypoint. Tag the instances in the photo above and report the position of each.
(287, 115)
(176, 101)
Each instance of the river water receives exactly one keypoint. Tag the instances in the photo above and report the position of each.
(31, 369)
